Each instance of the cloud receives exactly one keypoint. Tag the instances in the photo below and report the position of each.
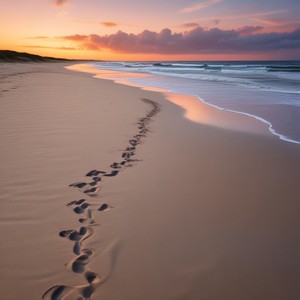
(195, 41)
(41, 37)
(76, 37)
(199, 6)
(61, 3)
(248, 30)
(252, 16)
(270, 21)
(109, 24)
(269, 13)
(48, 47)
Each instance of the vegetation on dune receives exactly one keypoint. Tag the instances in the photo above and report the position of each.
(13, 56)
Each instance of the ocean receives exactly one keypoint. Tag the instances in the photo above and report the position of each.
(266, 90)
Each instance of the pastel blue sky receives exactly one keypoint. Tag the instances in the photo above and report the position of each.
(156, 29)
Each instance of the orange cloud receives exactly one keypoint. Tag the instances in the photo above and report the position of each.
(41, 37)
(47, 47)
(76, 38)
(109, 24)
(87, 42)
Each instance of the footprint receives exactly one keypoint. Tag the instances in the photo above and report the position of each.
(133, 142)
(80, 209)
(92, 277)
(83, 230)
(65, 233)
(115, 165)
(87, 291)
(76, 202)
(78, 185)
(83, 220)
(113, 173)
(144, 131)
(78, 265)
(95, 181)
(92, 190)
(140, 136)
(76, 248)
(103, 207)
(94, 173)
(96, 178)
(56, 292)
(125, 155)
(75, 236)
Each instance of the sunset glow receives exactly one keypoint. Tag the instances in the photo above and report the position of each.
(160, 30)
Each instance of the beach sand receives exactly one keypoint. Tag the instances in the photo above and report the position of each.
(195, 211)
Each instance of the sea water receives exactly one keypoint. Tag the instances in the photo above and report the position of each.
(266, 90)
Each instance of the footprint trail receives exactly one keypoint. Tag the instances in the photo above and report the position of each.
(82, 256)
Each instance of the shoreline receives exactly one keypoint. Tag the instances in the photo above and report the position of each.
(205, 211)
(116, 75)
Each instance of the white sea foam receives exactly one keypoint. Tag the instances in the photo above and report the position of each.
(270, 126)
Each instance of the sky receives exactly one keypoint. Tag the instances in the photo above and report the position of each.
(153, 29)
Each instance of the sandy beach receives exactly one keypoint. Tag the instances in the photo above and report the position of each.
(110, 192)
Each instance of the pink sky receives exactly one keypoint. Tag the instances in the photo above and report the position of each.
(143, 30)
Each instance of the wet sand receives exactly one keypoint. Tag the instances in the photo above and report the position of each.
(108, 192)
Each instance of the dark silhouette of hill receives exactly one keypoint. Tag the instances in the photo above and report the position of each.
(13, 56)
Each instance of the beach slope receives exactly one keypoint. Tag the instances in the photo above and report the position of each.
(108, 192)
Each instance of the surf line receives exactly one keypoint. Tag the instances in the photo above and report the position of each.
(82, 208)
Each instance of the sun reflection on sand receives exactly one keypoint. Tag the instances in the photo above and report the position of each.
(200, 112)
